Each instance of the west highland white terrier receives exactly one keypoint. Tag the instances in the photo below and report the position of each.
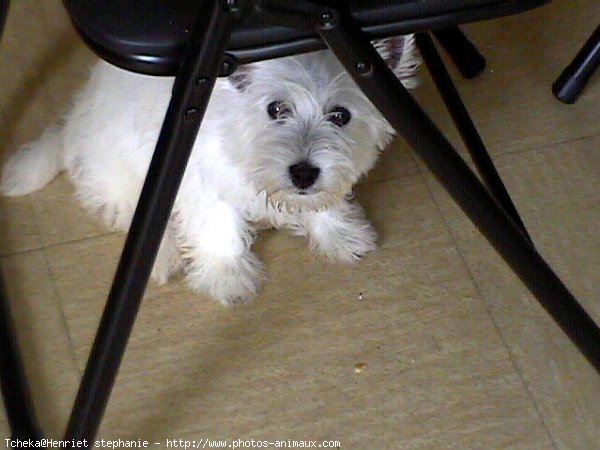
(281, 145)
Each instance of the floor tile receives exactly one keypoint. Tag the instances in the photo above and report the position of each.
(18, 226)
(395, 162)
(556, 189)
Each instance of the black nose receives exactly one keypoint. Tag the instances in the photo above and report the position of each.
(303, 174)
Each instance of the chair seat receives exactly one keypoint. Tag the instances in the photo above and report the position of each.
(149, 36)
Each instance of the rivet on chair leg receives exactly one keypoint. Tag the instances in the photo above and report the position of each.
(231, 4)
(363, 68)
(191, 114)
(328, 19)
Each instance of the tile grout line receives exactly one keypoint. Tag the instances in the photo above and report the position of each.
(63, 315)
(57, 244)
(511, 357)
(403, 176)
(546, 146)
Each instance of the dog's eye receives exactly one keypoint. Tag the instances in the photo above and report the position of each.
(278, 110)
(339, 116)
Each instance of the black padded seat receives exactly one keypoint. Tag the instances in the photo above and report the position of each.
(149, 36)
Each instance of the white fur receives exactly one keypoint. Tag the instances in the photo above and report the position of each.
(237, 178)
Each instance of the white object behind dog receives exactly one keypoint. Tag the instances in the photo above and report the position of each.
(282, 143)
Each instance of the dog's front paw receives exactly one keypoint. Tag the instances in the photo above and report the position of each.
(342, 235)
(231, 281)
(348, 244)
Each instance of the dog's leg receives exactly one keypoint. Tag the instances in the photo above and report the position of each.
(340, 232)
(34, 165)
(214, 242)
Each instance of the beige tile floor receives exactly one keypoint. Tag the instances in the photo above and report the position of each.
(458, 355)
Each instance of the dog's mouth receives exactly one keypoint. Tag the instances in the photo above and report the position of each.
(305, 200)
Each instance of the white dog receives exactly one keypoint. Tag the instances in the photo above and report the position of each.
(281, 145)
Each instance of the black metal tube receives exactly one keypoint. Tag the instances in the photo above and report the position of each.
(191, 93)
(345, 38)
(572, 80)
(463, 53)
(13, 380)
(466, 127)
(4, 5)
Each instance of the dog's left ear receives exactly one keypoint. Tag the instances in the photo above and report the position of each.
(241, 78)
(400, 54)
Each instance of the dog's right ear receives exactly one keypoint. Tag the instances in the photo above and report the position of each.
(400, 54)
(242, 77)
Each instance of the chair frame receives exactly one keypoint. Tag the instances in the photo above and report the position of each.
(488, 206)
(570, 83)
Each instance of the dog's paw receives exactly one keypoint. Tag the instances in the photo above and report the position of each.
(232, 281)
(346, 247)
(347, 242)
(341, 233)
(34, 165)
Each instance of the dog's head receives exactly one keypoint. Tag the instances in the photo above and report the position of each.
(311, 130)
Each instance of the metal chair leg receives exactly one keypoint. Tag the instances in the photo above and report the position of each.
(191, 93)
(572, 80)
(4, 4)
(463, 53)
(466, 127)
(13, 380)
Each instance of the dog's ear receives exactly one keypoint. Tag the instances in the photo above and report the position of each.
(400, 54)
(242, 77)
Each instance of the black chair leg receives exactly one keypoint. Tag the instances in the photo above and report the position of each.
(345, 38)
(463, 53)
(572, 80)
(13, 380)
(191, 93)
(466, 127)
(4, 4)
